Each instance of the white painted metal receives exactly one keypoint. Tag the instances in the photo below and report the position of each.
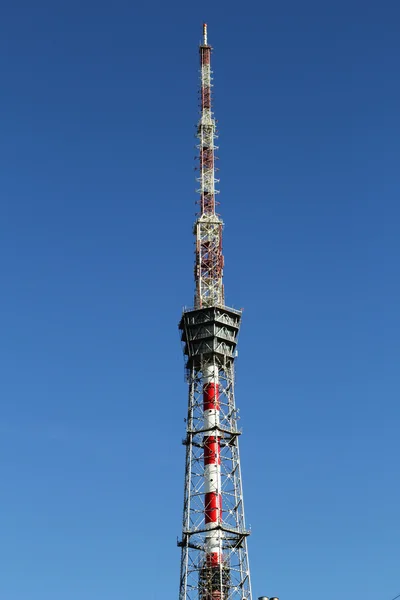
(210, 290)
(205, 34)
(212, 472)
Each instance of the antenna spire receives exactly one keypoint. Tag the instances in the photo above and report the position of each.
(204, 34)
(208, 227)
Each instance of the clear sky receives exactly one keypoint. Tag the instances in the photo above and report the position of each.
(98, 105)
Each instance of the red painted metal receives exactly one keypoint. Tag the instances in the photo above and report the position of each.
(211, 396)
(213, 559)
(213, 507)
(212, 450)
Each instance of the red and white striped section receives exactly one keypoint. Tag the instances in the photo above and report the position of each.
(206, 131)
(212, 466)
(208, 229)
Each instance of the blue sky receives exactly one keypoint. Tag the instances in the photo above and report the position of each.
(98, 104)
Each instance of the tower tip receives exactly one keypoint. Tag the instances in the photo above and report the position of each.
(204, 34)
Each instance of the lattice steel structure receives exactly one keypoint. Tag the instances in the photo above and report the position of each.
(214, 563)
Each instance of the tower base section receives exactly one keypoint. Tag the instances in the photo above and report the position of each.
(214, 582)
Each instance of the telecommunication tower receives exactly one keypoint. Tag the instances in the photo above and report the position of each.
(214, 561)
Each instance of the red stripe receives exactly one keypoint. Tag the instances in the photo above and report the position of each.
(205, 55)
(213, 559)
(211, 396)
(207, 158)
(212, 450)
(206, 97)
(213, 507)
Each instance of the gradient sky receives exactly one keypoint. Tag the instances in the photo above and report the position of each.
(98, 104)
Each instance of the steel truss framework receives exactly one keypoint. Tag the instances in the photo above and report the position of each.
(214, 562)
(208, 227)
(209, 336)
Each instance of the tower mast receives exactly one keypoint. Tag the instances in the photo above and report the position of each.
(214, 563)
(208, 227)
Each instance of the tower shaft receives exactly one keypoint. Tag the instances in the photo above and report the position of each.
(214, 563)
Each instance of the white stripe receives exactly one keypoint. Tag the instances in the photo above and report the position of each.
(212, 479)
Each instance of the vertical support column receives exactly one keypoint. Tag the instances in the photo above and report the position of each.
(212, 465)
(212, 481)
